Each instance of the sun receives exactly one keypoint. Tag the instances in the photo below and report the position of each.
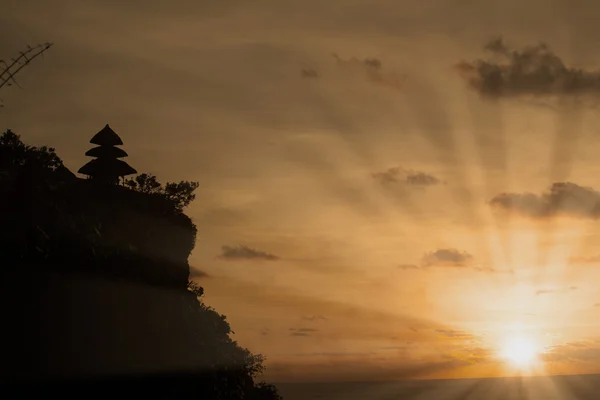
(520, 351)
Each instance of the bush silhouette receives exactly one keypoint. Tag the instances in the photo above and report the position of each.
(95, 285)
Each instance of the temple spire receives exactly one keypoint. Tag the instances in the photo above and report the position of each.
(106, 166)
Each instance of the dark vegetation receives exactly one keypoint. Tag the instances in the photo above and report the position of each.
(96, 293)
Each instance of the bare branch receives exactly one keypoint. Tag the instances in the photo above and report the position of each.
(9, 70)
(7, 75)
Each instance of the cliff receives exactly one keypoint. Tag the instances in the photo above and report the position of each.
(77, 226)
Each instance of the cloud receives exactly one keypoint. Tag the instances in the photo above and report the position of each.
(452, 258)
(563, 198)
(245, 253)
(374, 71)
(450, 333)
(198, 274)
(530, 71)
(302, 332)
(572, 351)
(309, 73)
(585, 260)
(408, 266)
(333, 354)
(471, 355)
(491, 270)
(398, 175)
(447, 258)
(550, 291)
(544, 291)
(314, 317)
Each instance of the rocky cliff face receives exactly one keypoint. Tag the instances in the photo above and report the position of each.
(94, 283)
(110, 230)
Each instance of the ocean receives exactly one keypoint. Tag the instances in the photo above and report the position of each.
(573, 387)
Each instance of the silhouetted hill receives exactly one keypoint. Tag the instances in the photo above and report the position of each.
(94, 287)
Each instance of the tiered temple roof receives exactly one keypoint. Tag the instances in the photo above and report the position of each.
(106, 166)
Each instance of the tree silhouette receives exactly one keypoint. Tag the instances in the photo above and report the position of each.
(180, 194)
(14, 153)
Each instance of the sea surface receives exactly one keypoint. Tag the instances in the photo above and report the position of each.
(574, 387)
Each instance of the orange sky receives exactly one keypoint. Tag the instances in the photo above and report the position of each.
(362, 194)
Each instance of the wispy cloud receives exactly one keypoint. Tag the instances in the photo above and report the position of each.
(302, 332)
(551, 291)
(314, 318)
(374, 71)
(197, 274)
(408, 266)
(245, 253)
(450, 333)
(401, 176)
(585, 260)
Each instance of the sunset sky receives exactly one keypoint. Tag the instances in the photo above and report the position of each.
(387, 189)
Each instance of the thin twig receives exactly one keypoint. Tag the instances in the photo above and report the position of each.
(25, 57)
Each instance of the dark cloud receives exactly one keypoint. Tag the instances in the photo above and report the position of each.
(374, 71)
(398, 175)
(245, 253)
(447, 258)
(197, 274)
(309, 73)
(530, 71)
(563, 198)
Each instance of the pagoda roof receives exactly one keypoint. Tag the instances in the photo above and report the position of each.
(106, 137)
(106, 152)
(107, 167)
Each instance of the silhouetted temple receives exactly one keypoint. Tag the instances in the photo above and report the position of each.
(106, 166)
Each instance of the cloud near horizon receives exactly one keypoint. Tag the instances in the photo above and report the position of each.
(533, 70)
